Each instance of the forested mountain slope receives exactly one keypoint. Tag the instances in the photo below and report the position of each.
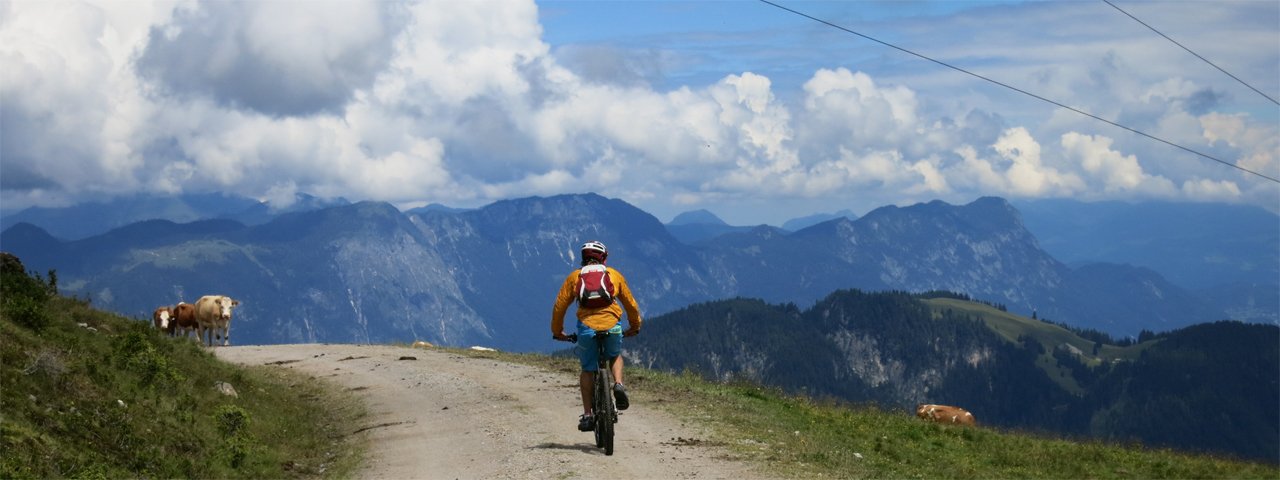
(1191, 388)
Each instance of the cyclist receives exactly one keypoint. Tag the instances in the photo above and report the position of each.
(593, 319)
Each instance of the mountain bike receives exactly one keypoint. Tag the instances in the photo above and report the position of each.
(603, 410)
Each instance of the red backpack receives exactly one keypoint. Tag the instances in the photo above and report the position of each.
(595, 288)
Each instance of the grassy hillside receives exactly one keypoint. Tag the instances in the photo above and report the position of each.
(1014, 327)
(798, 437)
(88, 394)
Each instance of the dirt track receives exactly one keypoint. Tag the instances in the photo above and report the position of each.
(444, 416)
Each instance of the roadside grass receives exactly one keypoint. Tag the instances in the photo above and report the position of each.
(798, 437)
(89, 394)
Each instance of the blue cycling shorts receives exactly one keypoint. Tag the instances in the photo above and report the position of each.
(586, 348)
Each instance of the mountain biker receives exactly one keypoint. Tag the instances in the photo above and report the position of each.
(591, 320)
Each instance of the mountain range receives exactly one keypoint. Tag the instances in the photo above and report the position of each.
(92, 218)
(696, 226)
(1196, 246)
(367, 272)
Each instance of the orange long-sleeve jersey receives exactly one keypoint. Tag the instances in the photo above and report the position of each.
(602, 318)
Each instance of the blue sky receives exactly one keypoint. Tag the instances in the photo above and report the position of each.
(739, 107)
(711, 38)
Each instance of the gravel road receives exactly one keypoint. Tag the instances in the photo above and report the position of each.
(441, 415)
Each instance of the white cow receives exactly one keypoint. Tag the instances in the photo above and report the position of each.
(213, 315)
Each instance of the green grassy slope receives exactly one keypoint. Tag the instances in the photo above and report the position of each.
(88, 394)
(1012, 327)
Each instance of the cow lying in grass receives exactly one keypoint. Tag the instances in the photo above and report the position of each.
(946, 414)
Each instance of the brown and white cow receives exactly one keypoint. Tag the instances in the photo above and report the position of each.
(946, 414)
(213, 314)
(163, 319)
(184, 320)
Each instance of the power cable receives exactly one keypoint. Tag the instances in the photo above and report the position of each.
(1175, 42)
(1024, 92)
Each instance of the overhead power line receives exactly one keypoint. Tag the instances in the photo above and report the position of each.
(1024, 92)
(1175, 42)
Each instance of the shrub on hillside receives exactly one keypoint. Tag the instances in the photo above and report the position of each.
(233, 423)
(23, 296)
(136, 352)
(231, 420)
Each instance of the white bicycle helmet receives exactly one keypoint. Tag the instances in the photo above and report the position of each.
(596, 250)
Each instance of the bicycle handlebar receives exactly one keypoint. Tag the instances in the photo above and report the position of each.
(573, 338)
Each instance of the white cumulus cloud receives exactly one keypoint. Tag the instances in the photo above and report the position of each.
(467, 102)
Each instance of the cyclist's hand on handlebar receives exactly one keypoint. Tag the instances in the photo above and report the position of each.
(631, 332)
(565, 338)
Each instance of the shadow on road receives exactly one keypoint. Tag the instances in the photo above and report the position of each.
(581, 447)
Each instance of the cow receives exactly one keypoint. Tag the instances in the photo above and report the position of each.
(213, 314)
(184, 320)
(163, 319)
(946, 414)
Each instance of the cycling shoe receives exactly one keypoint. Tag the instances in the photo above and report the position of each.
(586, 423)
(620, 396)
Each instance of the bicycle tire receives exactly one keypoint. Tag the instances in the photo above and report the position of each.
(602, 405)
(598, 408)
(610, 413)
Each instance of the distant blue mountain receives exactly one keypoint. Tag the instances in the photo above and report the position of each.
(261, 212)
(695, 217)
(697, 226)
(981, 249)
(436, 207)
(811, 220)
(1194, 245)
(93, 218)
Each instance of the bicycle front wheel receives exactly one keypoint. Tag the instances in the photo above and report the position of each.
(605, 411)
(597, 409)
